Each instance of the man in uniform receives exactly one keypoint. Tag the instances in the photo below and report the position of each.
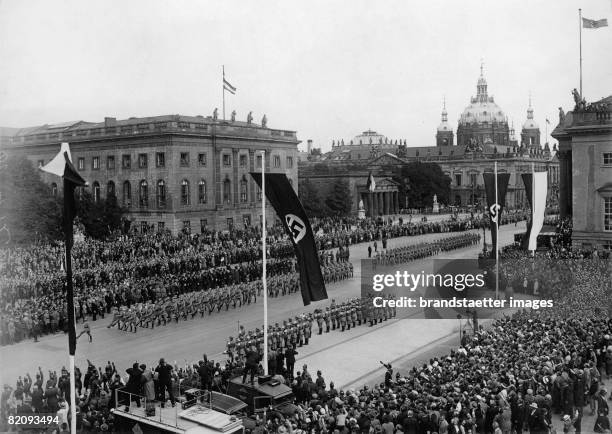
(319, 319)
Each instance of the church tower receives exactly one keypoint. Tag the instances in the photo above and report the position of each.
(444, 136)
(530, 134)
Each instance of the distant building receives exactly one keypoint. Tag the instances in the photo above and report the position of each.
(483, 137)
(171, 172)
(585, 159)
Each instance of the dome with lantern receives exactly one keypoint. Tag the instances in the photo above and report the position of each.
(482, 108)
(530, 124)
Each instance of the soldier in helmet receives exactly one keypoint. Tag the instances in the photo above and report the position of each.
(231, 348)
(319, 319)
(327, 319)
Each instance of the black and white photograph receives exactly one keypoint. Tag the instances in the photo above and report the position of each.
(297, 217)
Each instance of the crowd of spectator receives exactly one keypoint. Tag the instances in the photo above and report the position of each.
(146, 268)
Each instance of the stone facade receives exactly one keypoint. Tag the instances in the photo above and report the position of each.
(585, 159)
(170, 172)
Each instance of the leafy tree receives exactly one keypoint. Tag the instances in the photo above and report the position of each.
(420, 181)
(340, 200)
(311, 200)
(101, 218)
(30, 212)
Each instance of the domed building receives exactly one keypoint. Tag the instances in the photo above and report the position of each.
(483, 121)
(484, 137)
(530, 134)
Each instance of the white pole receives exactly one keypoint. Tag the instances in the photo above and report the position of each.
(223, 86)
(533, 201)
(72, 397)
(496, 239)
(263, 276)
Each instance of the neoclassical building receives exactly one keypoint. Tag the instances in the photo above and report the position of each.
(171, 172)
(483, 137)
(585, 159)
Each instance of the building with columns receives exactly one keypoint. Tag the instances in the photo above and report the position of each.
(483, 137)
(585, 164)
(170, 172)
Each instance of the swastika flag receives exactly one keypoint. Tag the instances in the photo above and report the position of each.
(285, 202)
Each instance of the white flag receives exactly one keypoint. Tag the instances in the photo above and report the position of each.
(540, 187)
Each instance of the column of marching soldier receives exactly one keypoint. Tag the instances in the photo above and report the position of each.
(183, 306)
(359, 311)
(296, 332)
(174, 308)
(403, 254)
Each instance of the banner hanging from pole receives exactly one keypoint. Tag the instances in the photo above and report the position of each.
(495, 208)
(536, 187)
(285, 202)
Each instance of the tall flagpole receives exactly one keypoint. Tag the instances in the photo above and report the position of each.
(263, 277)
(580, 32)
(496, 239)
(69, 240)
(533, 201)
(223, 85)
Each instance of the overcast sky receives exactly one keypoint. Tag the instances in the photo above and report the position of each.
(327, 69)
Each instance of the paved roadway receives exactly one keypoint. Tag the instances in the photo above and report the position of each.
(188, 340)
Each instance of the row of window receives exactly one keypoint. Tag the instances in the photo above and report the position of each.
(145, 227)
(161, 192)
(160, 161)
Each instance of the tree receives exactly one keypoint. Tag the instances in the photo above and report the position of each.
(311, 200)
(30, 211)
(420, 181)
(340, 200)
(101, 218)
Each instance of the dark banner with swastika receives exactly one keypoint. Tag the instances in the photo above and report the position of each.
(285, 202)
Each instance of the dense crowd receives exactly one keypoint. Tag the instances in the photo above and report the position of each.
(172, 308)
(143, 269)
(528, 372)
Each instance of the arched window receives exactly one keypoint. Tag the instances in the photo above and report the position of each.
(161, 194)
(127, 194)
(227, 193)
(202, 191)
(110, 189)
(54, 189)
(185, 199)
(144, 194)
(96, 191)
(243, 190)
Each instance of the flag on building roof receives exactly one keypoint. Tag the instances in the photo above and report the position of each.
(594, 24)
(371, 183)
(227, 86)
(547, 121)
